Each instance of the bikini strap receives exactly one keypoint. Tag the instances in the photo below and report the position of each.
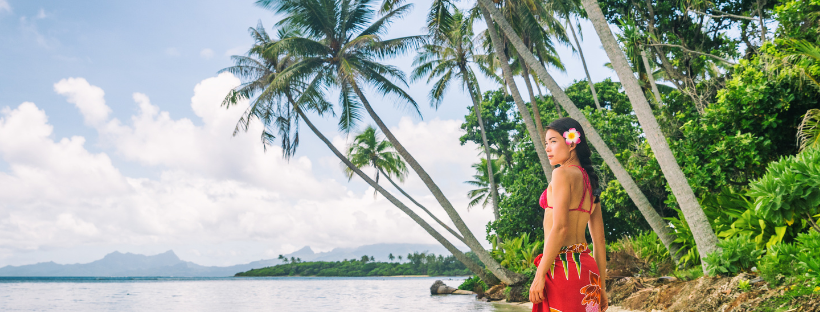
(587, 186)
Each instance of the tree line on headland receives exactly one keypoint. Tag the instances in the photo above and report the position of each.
(416, 264)
(707, 147)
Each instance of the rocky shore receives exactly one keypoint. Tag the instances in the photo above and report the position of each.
(632, 294)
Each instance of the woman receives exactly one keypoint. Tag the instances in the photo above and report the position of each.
(568, 278)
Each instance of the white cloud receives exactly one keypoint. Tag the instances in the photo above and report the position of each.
(172, 51)
(206, 53)
(219, 199)
(89, 99)
(4, 6)
(41, 14)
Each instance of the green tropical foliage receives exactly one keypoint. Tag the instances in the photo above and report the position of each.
(737, 254)
(518, 253)
(790, 189)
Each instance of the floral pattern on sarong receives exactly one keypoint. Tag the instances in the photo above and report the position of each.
(592, 293)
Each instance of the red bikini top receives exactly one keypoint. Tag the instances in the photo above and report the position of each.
(543, 200)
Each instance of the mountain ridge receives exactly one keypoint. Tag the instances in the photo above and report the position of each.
(169, 264)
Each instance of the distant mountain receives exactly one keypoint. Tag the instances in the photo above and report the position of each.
(168, 264)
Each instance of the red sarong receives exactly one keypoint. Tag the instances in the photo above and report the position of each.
(572, 283)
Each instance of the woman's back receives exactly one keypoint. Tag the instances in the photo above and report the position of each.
(580, 205)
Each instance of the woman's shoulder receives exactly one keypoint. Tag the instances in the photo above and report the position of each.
(566, 174)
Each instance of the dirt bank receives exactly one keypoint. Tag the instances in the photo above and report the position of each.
(706, 294)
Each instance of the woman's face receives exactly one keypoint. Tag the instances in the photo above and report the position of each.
(556, 146)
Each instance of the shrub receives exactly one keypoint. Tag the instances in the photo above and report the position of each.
(471, 283)
(517, 254)
(790, 189)
(738, 254)
(683, 237)
(644, 255)
(778, 263)
(688, 274)
(809, 256)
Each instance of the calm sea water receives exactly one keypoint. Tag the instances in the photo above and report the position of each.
(236, 294)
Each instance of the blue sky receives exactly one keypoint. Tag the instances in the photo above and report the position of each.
(161, 148)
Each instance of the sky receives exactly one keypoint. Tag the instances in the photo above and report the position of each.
(112, 138)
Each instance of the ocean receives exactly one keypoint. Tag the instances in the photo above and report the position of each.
(235, 294)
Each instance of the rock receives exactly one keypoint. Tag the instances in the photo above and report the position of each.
(496, 292)
(440, 288)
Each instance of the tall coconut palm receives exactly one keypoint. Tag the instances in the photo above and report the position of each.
(701, 229)
(497, 57)
(272, 104)
(451, 56)
(654, 219)
(567, 9)
(342, 49)
(369, 150)
(535, 24)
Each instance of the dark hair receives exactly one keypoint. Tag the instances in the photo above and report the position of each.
(582, 150)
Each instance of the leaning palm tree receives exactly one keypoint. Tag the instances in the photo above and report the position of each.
(342, 49)
(481, 180)
(369, 150)
(566, 9)
(701, 229)
(496, 57)
(280, 107)
(451, 57)
(654, 219)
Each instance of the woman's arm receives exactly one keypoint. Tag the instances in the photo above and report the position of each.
(554, 239)
(596, 230)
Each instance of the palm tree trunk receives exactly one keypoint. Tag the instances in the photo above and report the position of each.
(534, 78)
(652, 217)
(519, 102)
(536, 113)
(505, 275)
(470, 264)
(584, 62)
(651, 78)
(477, 108)
(701, 229)
(423, 208)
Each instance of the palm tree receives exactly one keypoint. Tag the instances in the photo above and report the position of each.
(652, 217)
(369, 150)
(497, 58)
(342, 50)
(535, 24)
(391, 257)
(280, 106)
(701, 229)
(450, 56)
(566, 9)
(479, 195)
